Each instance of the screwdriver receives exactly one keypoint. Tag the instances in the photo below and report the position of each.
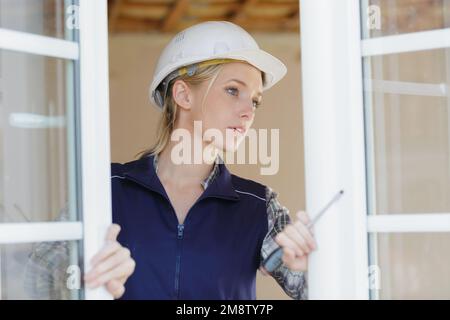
(273, 261)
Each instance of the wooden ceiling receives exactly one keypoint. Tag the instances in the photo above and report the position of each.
(159, 16)
(146, 16)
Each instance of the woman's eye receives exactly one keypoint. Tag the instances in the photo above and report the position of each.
(256, 103)
(233, 91)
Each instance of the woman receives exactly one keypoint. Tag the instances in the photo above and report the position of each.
(193, 230)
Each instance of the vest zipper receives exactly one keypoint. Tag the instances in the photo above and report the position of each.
(178, 260)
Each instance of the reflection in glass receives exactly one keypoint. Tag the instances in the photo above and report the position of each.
(391, 17)
(408, 132)
(37, 175)
(413, 265)
(48, 270)
(52, 18)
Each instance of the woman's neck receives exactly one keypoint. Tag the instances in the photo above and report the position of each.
(184, 174)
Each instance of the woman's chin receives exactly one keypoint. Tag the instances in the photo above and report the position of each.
(231, 147)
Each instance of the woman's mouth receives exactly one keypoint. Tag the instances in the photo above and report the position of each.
(240, 130)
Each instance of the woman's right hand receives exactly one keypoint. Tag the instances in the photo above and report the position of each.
(111, 266)
(297, 241)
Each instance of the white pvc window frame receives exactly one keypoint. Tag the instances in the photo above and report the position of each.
(334, 147)
(11, 233)
(335, 158)
(417, 41)
(91, 55)
(406, 88)
(95, 141)
(37, 44)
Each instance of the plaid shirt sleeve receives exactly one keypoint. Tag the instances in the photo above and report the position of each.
(293, 282)
(45, 272)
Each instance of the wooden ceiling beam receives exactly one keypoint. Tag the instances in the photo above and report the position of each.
(263, 25)
(145, 11)
(293, 21)
(177, 12)
(260, 19)
(241, 11)
(146, 26)
(128, 25)
(116, 7)
(267, 9)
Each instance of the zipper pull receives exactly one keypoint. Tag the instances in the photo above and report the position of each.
(180, 231)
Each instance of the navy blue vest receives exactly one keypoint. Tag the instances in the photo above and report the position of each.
(214, 254)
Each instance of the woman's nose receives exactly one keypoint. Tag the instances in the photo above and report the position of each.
(247, 110)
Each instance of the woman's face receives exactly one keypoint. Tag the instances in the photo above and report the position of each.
(230, 104)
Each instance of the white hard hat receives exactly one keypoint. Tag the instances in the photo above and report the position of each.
(207, 41)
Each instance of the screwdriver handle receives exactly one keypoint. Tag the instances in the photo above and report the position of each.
(274, 261)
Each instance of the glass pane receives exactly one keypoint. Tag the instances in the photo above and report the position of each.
(52, 18)
(391, 17)
(37, 153)
(47, 270)
(407, 132)
(413, 265)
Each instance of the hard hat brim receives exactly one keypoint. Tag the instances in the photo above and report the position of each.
(273, 68)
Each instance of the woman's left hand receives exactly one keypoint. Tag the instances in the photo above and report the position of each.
(111, 266)
(297, 242)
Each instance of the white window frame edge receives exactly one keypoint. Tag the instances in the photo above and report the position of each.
(425, 222)
(95, 141)
(37, 44)
(417, 41)
(23, 42)
(95, 144)
(334, 147)
(11, 233)
(407, 88)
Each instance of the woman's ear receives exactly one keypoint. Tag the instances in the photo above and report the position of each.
(182, 94)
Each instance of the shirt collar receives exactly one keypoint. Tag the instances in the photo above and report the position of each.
(205, 183)
(218, 184)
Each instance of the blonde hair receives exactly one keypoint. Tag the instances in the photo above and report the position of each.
(169, 111)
